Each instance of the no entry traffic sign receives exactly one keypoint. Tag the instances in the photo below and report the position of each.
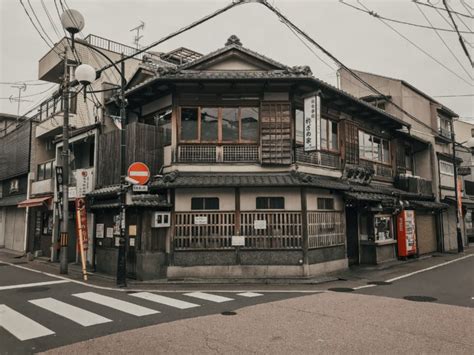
(138, 173)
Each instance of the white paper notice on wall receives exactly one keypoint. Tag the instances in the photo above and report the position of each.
(109, 232)
(200, 220)
(117, 241)
(132, 242)
(260, 224)
(99, 230)
(238, 241)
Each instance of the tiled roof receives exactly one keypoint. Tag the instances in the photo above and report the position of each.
(429, 204)
(105, 191)
(174, 179)
(104, 205)
(147, 200)
(368, 196)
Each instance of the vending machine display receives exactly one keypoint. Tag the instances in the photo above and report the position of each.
(406, 232)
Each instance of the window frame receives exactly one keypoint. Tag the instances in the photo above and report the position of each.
(318, 199)
(204, 208)
(220, 139)
(329, 121)
(382, 140)
(268, 203)
(42, 177)
(446, 163)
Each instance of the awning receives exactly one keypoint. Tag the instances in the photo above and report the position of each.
(432, 205)
(35, 202)
(369, 196)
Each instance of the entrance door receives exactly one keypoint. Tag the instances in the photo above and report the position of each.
(352, 235)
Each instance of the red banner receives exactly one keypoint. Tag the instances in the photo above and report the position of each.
(81, 223)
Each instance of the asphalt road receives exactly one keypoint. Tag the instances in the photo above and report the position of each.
(31, 312)
(451, 284)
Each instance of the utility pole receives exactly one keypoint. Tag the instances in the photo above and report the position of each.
(20, 88)
(122, 249)
(456, 194)
(63, 267)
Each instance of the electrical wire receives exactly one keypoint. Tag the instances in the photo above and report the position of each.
(39, 22)
(37, 30)
(48, 15)
(465, 6)
(32, 95)
(461, 95)
(461, 39)
(418, 47)
(376, 15)
(440, 8)
(446, 20)
(442, 40)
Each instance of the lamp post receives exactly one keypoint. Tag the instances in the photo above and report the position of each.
(85, 74)
(73, 22)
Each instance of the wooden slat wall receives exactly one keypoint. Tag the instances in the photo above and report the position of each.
(14, 152)
(276, 133)
(143, 144)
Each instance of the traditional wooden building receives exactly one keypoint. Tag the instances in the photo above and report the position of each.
(235, 193)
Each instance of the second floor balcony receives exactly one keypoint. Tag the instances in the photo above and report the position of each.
(414, 184)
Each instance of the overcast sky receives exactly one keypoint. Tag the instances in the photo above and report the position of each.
(358, 40)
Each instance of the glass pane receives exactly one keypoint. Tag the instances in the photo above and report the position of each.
(386, 151)
(47, 170)
(209, 124)
(163, 121)
(197, 203)
(334, 136)
(249, 122)
(299, 116)
(41, 172)
(230, 124)
(324, 133)
(262, 203)
(211, 203)
(277, 203)
(377, 153)
(189, 124)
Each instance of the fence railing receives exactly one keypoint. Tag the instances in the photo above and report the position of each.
(210, 153)
(112, 46)
(380, 169)
(319, 158)
(260, 229)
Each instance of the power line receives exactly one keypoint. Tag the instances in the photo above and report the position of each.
(417, 46)
(36, 28)
(39, 23)
(32, 95)
(461, 95)
(440, 8)
(376, 15)
(442, 40)
(461, 40)
(465, 6)
(50, 19)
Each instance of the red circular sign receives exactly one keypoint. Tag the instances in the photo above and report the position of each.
(139, 172)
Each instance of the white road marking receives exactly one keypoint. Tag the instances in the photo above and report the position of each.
(249, 294)
(76, 314)
(120, 305)
(34, 284)
(20, 326)
(208, 297)
(164, 300)
(429, 268)
(364, 286)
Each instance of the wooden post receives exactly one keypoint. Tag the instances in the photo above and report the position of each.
(173, 224)
(304, 229)
(237, 222)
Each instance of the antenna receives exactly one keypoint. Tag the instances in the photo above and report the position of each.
(137, 37)
(21, 87)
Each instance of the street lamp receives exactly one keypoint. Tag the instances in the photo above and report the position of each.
(73, 22)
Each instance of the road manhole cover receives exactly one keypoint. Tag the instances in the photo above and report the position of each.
(341, 289)
(379, 283)
(420, 298)
(33, 289)
(228, 313)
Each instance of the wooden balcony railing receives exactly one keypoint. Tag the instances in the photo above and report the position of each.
(319, 158)
(381, 170)
(261, 229)
(414, 184)
(210, 153)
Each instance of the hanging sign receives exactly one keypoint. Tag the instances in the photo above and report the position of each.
(84, 181)
(200, 220)
(260, 224)
(138, 173)
(312, 118)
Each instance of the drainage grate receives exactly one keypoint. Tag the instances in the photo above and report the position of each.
(379, 283)
(420, 298)
(228, 313)
(341, 289)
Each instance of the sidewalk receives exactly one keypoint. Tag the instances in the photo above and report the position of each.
(356, 276)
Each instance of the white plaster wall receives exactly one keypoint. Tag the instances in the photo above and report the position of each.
(312, 199)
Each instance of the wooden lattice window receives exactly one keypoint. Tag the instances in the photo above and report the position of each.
(276, 133)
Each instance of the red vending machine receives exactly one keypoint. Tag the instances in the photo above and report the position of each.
(406, 233)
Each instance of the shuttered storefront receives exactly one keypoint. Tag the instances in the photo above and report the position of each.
(14, 228)
(426, 232)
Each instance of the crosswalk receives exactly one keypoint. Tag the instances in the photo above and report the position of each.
(25, 328)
